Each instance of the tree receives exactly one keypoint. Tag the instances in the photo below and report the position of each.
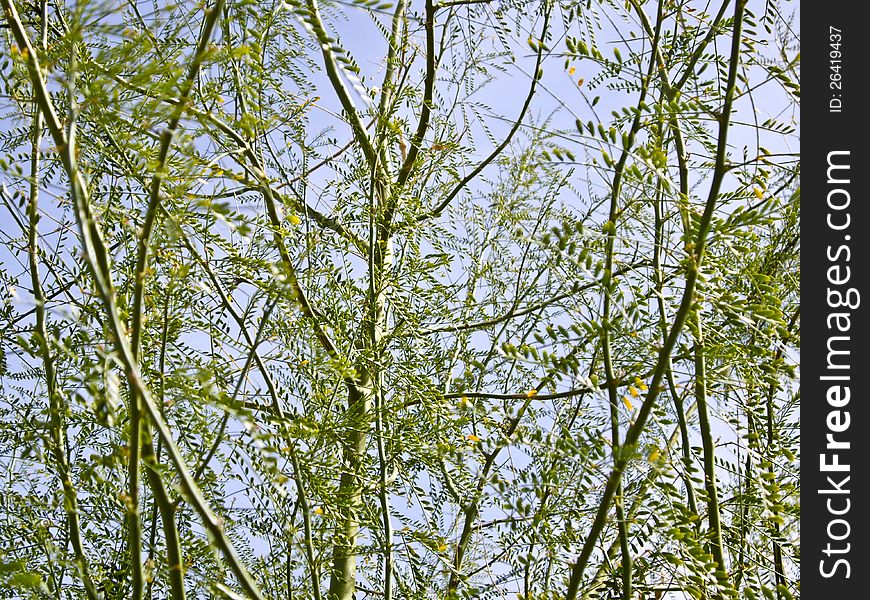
(303, 304)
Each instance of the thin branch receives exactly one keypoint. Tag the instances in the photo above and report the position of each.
(709, 452)
(208, 118)
(161, 396)
(441, 5)
(137, 315)
(313, 566)
(333, 72)
(136, 325)
(483, 324)
(252, 356)
(428, 91)
(609, 287)
(566, 394)
(323, 162)
(253, 344)
(508, 428)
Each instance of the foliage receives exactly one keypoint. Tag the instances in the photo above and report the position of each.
(421, 299)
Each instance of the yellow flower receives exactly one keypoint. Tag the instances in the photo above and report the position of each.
(654, 455)
(627, 403)
(633, 391)
(532, 392)
(318, 511)
(571, 71)
(758, 193)
(294, 219)
(473, 437)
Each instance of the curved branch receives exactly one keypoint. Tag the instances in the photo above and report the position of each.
(524, 311)
(332, 72)
(428, 92)
(298, 205)
(142, 256)
(58, 443)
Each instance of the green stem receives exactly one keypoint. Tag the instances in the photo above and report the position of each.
(679, 409)
(333, 73)
(428, 91)
(472, 508)
(713, 514)
(383, 495)
(165, 506)
(609, 286)
(640, 498)
(313, 566)
(161, 396)
(388, 86)
(683, 171)
(174, 552)
(459, 187)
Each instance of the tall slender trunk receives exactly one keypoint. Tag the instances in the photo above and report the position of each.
(342, 584)
(360, 417)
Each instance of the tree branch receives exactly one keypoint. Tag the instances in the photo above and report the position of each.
(524, 311)
(333, 73)
(428, 91)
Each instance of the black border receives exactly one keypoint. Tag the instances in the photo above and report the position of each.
(824, 131)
